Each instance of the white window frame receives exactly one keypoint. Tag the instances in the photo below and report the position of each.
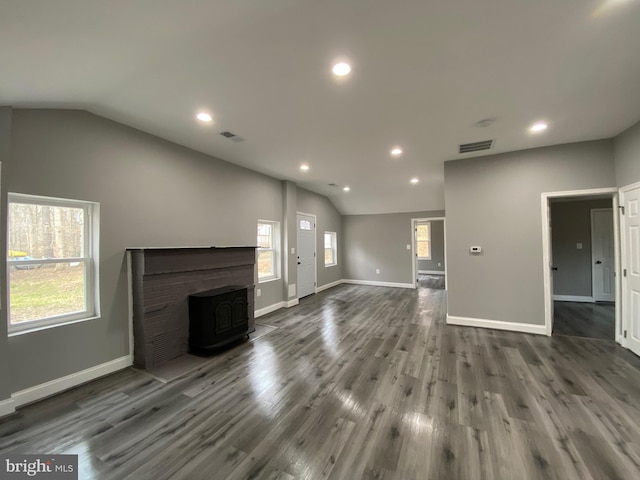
(275, 249)
(428, 241)
(333, 248)
(90, 261)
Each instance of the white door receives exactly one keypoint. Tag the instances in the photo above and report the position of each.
(552, 269)
(602, 255)
(631, 267)
(306, 255)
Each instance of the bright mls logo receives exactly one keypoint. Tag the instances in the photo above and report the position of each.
(53, 467)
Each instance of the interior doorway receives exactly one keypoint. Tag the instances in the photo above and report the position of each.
(429, 252)
(581, 258)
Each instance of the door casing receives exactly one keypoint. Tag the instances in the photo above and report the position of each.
(547, 258)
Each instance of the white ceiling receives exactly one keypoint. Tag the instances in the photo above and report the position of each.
(423, 73)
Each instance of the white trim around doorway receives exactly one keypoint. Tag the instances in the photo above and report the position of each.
(414, 262)
(546, 249)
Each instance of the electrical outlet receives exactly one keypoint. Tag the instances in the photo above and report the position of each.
(439, 264)
(258, 292)
(378, 271)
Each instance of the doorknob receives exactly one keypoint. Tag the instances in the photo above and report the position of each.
(598, 262)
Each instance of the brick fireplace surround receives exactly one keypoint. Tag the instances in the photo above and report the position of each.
(162, 280)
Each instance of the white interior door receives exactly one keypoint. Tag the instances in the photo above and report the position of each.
(306, 255)
(550, 305)
(631, 267)
(602, 255)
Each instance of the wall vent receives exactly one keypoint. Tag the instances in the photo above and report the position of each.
(476, 146)
(161, 348)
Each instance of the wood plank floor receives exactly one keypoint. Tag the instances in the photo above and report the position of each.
(358, 382)
(592, 320)
(431, 281)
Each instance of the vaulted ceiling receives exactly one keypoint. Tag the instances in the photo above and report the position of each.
(423, 74)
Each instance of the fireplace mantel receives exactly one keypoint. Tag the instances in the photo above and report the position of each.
(162, 278)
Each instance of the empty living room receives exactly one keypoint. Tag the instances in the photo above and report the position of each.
(306, 240)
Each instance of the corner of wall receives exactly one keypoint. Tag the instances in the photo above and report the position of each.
(6, 403)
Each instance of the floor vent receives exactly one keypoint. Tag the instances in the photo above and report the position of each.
(476, 146)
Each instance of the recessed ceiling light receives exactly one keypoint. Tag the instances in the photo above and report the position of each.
(396, 151)
(204, 117)
(304, 167)
(538, 127)
(346, 189)
(341, 69)
(414, 180)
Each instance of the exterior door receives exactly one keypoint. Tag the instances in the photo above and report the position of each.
(306, 255)
(602, 255)
(631, 267)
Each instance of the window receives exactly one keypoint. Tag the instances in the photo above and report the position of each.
(423, 240)
(305, 225)
(52, 261)
(330, 249)
(268, 247)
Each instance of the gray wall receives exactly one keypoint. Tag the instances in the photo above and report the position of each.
(627, 156)
(380, 242)
(289, 237)
(151, 193)
(437, 249)
(495, 202)
(328, 219)
(570, 225)
(5, 146)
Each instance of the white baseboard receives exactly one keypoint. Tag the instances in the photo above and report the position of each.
(7, 407)
(328, 286)
(58, 385)
(269, 309)
(291, 303)
(497, 325)
(380, 284)
(432, 272)
(573, 298)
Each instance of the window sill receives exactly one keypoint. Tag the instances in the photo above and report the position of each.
(37, 328)
(331, 265)
(268, 280)
(424, 258)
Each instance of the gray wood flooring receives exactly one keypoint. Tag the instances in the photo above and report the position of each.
(431, 281)
(358, 382)
(592, 320)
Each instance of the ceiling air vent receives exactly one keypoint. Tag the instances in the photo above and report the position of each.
(476, 146)
(232, 136)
